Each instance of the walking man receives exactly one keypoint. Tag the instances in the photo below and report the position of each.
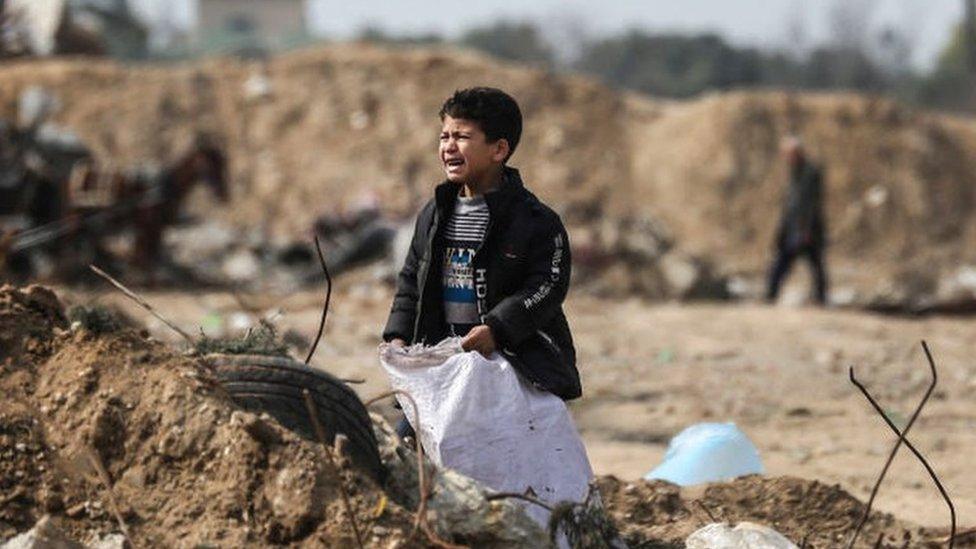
(801, 230)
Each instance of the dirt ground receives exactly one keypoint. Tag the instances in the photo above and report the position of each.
(778, 372)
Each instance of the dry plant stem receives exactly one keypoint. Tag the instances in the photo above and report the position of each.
(96, 462)
(313, 415)
(325, 308)
(918, 455)
(894, 450)
(516, 495)
(420, 521)
(142, 303)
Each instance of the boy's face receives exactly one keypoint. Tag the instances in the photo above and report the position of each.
(465, 152)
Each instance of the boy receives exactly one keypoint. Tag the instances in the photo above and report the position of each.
(488, 262)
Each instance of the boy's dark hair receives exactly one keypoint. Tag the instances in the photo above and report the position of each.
(495, 111)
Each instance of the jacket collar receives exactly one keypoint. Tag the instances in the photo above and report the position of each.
(446, 193)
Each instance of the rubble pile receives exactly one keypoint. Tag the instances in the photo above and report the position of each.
(189, 467)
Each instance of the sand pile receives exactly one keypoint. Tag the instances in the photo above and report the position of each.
(330, 124)
(183, 466)
(898, 182)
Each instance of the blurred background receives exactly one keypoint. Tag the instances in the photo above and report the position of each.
(193, 149)
(685, 107)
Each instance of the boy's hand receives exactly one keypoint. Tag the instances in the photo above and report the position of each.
(479, 339)
(397, 342)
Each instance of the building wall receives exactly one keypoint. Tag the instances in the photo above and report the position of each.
(272, 20)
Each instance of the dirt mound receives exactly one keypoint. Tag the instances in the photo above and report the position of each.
(187, 467)
(657, 512)
(898, 184)
(329, 124)
(28, 320)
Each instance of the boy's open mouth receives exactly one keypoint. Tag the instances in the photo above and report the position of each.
(453, 165)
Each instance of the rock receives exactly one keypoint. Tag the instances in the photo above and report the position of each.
(680, 273)
(109, 541)
(458, 507)
(45, 300)
(44, 535)
(295, 496)
(617, 281)
(689, 277)
(241, 265)
(745, 535)
(260, 429)
(77, 510)
(643, 237)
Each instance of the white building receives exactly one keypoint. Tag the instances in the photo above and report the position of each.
(264, 24)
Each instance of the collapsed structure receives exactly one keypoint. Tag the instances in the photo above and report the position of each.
(71, 27)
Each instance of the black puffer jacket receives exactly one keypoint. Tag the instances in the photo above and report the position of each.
(521, 277)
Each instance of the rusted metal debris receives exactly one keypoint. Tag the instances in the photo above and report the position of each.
(902, 438)
(325, 308)
(894, 450)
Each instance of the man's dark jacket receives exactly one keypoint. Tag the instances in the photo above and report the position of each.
(802, 223)
(521, 276)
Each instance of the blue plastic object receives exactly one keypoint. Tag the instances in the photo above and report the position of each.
(708, 452)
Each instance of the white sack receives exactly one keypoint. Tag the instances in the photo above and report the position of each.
(480, 418)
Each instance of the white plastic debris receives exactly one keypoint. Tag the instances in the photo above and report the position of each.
(708, 452)
(746, 535)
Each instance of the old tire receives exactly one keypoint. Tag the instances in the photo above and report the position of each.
(274, 385)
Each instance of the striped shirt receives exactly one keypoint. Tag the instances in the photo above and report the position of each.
(463, 235)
